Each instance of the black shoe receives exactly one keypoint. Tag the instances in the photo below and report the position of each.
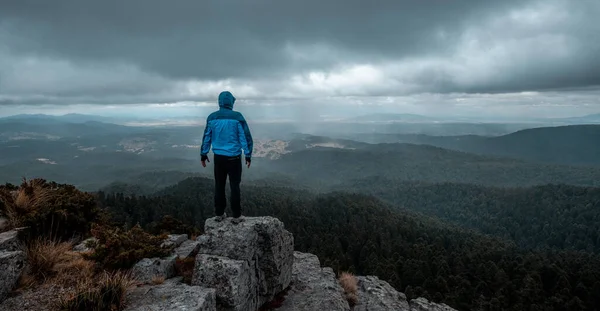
(237, 220)
(220, 218)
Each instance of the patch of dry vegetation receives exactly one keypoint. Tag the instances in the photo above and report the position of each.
(104, 292)
(350, 285)
(46, 259)
(47, 209)
(78, 283)
(56, 277)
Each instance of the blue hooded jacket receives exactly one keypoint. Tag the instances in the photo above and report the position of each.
(227, 130)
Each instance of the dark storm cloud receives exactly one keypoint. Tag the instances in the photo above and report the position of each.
(227, 39)
(139, 50)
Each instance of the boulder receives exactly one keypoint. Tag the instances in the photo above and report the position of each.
(9, 241)
(234, 281)
(172, 295)
(378, 295)
(313, 287)
(11, 266)
(262, 242)
(82, 247)
(174, 240)
(422, 304)
(187, 249)
(148, 269)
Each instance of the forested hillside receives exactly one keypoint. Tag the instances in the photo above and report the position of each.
(417, 254)
(549, 216)
(329, 166)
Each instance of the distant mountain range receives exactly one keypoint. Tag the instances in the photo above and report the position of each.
(368, 118)
(70, 118)
(391, 117)
(591, 118)
(416, 118)
(571, 144)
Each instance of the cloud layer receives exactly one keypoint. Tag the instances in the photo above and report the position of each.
(153, 51)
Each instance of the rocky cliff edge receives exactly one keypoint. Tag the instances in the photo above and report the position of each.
(250, 266)
(253, 266)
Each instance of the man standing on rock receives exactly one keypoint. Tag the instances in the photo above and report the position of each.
(229, 134)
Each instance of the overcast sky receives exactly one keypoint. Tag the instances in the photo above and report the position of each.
(308, 57)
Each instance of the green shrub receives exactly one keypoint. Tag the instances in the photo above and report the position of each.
(47, 209)
(121, 249)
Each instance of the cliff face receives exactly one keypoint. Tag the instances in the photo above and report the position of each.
(252, 266)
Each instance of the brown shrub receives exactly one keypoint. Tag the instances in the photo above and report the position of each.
(47, 209)
(43, 256)
(53, 263)
(17, 202)
(105, 292)
(72, 269)
(350, 285)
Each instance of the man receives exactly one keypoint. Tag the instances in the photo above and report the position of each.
(229, 134)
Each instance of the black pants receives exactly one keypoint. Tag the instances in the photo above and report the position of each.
(232, 167)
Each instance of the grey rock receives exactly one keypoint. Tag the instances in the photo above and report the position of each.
(149, 268)
(174, 240)
(9, 241)
(223, 239)
(234, 281)
(11, 266)
(171, 296)
(262, 242)
(422, 304)
(313, 287)
(187, 249)
(82, 247)
(378, 295)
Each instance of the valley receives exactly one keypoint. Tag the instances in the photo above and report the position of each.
(432, 214)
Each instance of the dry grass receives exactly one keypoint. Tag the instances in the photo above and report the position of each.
(105, 292)
(72, 269)
(43, 258)
(157, 280)
(30, 196)
(47, 209)
(350, 285)
(53, 263)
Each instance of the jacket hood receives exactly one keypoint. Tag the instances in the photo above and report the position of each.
(226, 100)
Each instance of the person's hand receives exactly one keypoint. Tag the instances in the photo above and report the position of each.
(248, 161)
(204, 159)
